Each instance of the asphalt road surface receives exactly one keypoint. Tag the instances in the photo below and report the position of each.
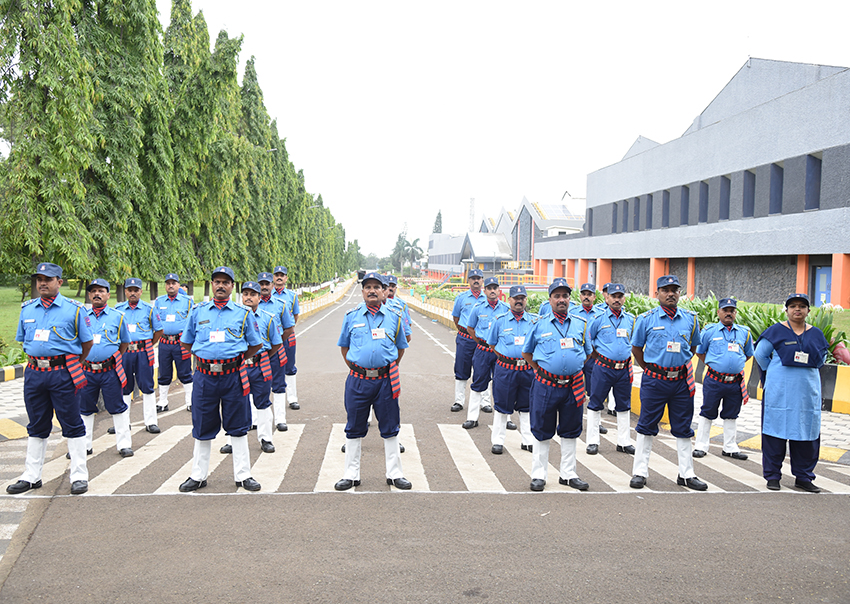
(470, 531)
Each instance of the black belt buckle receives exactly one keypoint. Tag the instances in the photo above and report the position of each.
(729, 378)
(249, 361)
(520, 363)
(673, 375)
(133, 347)
(216, 368)
(95, 366)
(372, 373)
(42, 363)
(619, 365)
(562, 382)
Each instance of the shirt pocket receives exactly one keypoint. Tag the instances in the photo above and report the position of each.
(550, 344)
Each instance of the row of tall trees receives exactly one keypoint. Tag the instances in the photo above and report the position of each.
(133, 151)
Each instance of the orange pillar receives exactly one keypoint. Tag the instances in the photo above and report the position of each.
(558, 269)
(692, 280)
(803, 275)
(840, 293)
(571, 273)
(581, 276)
(657, 268)
(603, 272)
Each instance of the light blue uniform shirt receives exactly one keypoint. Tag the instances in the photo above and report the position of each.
(660, 337)
(482, 315)
(726, 351)
(612, 336)
(108, 332)
(142, 321)
(173, 313)
(405, 313)
(464, 303)
(508, 334)
(278, 307)
(268, 327)
(220, 334)
(291, 299)
(372, 341)
(579, 311)
(559, 349)
(60, 329)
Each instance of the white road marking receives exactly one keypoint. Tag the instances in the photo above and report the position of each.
(474, 471)
(513, 445)
(670, 469)
(333, 310)
(171, 486)
(411, 460)
(270, 468)
(333, 463)
(435, 340)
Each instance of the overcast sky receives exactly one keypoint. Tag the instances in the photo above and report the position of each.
(395, 110)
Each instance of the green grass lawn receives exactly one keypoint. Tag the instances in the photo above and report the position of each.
(842, 321)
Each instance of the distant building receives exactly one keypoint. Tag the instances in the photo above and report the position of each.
(752, 201)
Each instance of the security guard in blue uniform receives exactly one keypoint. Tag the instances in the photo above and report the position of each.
(664, 340)
(55, 334)
(512, 376)
(478, 323)
(588, 311)
(556, 348)
(279, 307)
(104, 369)
(372, 343)
(464, 344)
(724, 348)
(392, 287)
(281, 276)
(610, 333)
(221, 334)
(173, 309)
(145, 329)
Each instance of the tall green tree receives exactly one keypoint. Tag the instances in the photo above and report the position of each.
(46, 98)
(438, 223)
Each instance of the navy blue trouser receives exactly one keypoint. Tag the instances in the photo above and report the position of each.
(804, 457)
(360, 394)
(655, 394)
(137, 368)
(554, 408)
(46, 392)
(107, 383)
(278, 374)
(465, 347)
(289, 367)
(173, 353)
(218, 402)
(714, 391)
(604, 379)
(260, 389)
(587, 370)
(482, 369)
(511, 389)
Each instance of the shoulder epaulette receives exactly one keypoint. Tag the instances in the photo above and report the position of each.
(77, 302)
(28, 302)
(201, 304)
(266, 312)
(500, 315)
(241, 306)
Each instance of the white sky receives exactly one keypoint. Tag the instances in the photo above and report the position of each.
(395, 110)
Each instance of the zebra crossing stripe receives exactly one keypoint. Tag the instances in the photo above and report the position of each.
(513, 442)
(474, 471)
(607, 472)
(57, 467)
(411, 461)
(171, 486)
(669, 469)
(111, 479)
(333, 463)
(270, 468)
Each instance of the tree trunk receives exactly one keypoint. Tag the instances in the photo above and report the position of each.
(80, 284)
(190, 289)
(119, 294)
(206, 290)
(33, 292)
(87, 299)
(154, 287)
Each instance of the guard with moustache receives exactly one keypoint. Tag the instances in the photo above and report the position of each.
(173, 309)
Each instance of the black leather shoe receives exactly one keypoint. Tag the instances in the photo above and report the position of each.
(153, 429)
(161, 409)
(126, 452)
(497, 449)
(627, 449)
(266, 446)
(469, 424)
(637, 482)
(189, 408)
(773, 485)
(249, 484)
(592, 449)
(343, 448)
(253, 427)
(612, 412)
(692, 483)
(736, 455)
(345, 484)
(457, 407)
(110, 430)
(400, 448)
(576, 483)
(400, 483)
(88, 452)
(226, 450)
(529, 448)
(281, 427)
(78, 487)
(294, 406)
(603, 430)
(537, 484)
(487, 409)
(22, 486)
(698, 453)
(192, 485)
(511, 425)
(804, 485)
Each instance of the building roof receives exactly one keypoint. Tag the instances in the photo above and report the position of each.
(486, 246)
(639, 146)
(551, 215)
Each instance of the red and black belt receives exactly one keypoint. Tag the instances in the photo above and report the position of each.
(726, 378)
(138, 346)
(378, 373)
(100, 366)
(673, 374)
(512, 363)
(172, 340)
(46, 363)
(462, 331)
(612, 364)
(576, 382)
(225, 367)
(262, 360)
(54, 363)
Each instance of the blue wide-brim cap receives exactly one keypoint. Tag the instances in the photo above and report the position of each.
(224, 270)
(606, 286)
(727, 302)
(392, 279)
(476, 272)
(616, 288)
(172, 277)
(100, 282)
(265, 277)
(588, 287)
(252, 285)
(48, 269)
(133, 282)
(491, 281)
(518, 290)
(667, 280)
(559, 283)
(797, 297)
(280, 269)
(373, 277)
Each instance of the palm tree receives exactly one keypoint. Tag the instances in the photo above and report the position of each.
(412, 251)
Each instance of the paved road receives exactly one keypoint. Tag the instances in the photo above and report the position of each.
(470, 531)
